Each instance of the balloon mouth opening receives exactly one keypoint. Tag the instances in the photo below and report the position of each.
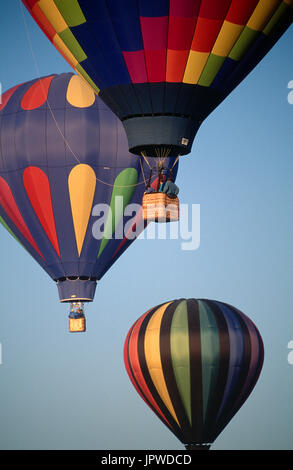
(197, 446)
(75, 289)
(161, 151)
(160, 136)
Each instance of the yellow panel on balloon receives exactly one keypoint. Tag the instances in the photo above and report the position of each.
(226, 39)
(82, 186)
(79, 93)
(64, 49)
(195, 65)
(262, 13)
(53, 15)
(153, 358)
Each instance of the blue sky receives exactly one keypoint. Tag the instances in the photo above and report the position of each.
(62, 391)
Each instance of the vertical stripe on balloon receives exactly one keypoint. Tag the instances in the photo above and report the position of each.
(38, 189)
(134, 368)
(153, 358)
(53, 15)
(210, 353)
(196, 391)
(174, 348)
(43, 20)
(179, 342)
(82, 186)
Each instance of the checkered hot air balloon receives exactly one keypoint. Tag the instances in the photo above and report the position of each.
(162, 65)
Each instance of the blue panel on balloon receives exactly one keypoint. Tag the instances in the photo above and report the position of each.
(153, 8)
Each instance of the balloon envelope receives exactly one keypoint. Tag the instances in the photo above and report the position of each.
(194, 362)
(162, 65)
(64, 162)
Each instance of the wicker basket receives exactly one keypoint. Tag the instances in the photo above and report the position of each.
(159, 207)
(77, 325)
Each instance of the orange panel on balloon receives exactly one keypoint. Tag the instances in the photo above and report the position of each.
(46, 25)
(176, 64)
(136, 371)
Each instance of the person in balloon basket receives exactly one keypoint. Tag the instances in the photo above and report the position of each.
(160, 184)
(170, 188)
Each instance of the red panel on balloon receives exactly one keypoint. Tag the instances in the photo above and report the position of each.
(30, 3)
(42, 20)
(206, 34)
(137, 374)
(214, 10)
(135, 62)
(180, 32)
(156, 65)
(184, 7)
(37, 187)
(37, 94)
(241, 10)
(9, 205)
(154, 32)
(6, 97)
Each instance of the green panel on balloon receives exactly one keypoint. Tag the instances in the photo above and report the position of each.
(245, 40)
(210, 352)
(211, 69)
(70, 41)
(277, 16)
(71, 12)
(179, 341)
(124, 187)
(83, 73)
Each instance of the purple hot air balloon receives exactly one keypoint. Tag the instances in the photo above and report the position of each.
(63, 152)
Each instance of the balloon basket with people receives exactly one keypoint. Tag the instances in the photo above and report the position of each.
(160, 202)
(159, 207)
(76, 318)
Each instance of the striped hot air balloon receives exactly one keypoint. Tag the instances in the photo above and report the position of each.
(62, 152)
(194, 362)
(162, 65)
